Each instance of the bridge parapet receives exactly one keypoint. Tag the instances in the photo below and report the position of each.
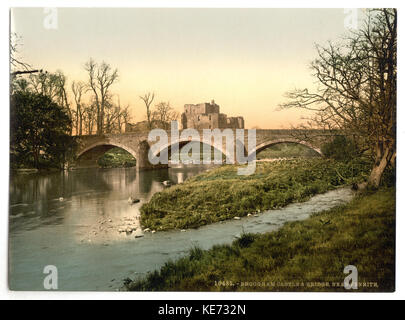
(137, 144)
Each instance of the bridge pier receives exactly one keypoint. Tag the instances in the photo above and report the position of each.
(142, 160)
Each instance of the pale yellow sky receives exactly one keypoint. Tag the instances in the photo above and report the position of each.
(244, 59)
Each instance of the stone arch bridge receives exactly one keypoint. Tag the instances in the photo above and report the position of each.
(92, 147)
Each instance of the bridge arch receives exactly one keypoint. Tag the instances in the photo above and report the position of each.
(107, 143)
(88, 155)
(269, 143)
(182, 142)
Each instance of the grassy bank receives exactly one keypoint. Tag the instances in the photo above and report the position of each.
(312, 251)
(287, 150)
(222, 194)
(117, 158)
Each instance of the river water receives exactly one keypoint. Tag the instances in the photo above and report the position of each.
(72, 220)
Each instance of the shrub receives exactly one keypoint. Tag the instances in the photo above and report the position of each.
(340, 148)
(245, 240)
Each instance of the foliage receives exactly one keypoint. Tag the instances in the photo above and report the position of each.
(117, 158)
(340, 148)
(361, 233)
(39, 131)
(222, 194)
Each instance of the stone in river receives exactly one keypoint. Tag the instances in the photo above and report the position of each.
(133, 200)
(167, 183)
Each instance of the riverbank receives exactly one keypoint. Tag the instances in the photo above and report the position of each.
(313, 251)
(24, 171)
(222, 194)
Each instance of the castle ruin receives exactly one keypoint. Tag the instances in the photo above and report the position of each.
(207, 116)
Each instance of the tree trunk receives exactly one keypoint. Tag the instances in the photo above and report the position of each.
(102, 114)
(374, 179)
(98, 120)
(77, 121)
(81, 125)
(36, 157)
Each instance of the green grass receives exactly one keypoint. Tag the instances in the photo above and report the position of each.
(287, 150)
(221, 194)
(116, 158)
(361, 233)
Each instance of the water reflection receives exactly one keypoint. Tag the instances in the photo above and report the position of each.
(84, 196)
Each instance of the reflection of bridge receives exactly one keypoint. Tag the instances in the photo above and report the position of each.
(136, 143)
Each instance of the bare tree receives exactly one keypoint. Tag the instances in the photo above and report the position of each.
(62, 98)
(356, 93)
(89, 117)
(115, 116)
(47, 84)
(163, 114)
(17, 66)
(123, 116)
(147, 98)
(112, 113)
(78, 89)
(101, 77)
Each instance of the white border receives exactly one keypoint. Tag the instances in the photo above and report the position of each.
(4, 147)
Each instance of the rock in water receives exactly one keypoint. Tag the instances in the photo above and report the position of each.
(133, 200)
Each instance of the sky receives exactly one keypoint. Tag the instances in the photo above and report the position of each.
(244, 59)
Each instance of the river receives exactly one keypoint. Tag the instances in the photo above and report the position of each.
(72, 220)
